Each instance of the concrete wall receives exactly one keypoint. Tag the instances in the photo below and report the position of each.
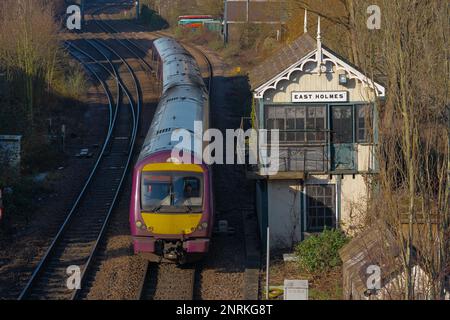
(284, 213)
(354, 194)
(365, 157)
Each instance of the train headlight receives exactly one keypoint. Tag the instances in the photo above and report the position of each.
(204, 225)
(139, 224)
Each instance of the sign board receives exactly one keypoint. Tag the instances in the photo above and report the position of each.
(295, 289)
(320, 96)
(10, 150)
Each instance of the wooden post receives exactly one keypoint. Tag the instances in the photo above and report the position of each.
(82, 4)
(138, 6)
(268, 263)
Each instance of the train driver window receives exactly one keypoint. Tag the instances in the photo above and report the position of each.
(171, 191)
(155, 191)
(190, 190)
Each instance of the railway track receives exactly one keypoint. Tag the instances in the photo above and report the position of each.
(199, 52)
(77, 241)
(168, 282)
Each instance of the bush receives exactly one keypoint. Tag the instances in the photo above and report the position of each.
(41, 157)
(152, 19)
(20, 204)
(319, 253)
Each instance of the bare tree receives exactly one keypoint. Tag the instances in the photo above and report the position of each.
(412, 199)
(29, 46)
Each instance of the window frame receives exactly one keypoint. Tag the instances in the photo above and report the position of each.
(317, 198)
(368, 123)
(187, 175)
(300, 137)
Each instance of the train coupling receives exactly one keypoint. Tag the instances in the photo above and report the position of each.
(172, 251)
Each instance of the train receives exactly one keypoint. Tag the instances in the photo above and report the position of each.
(172, 207)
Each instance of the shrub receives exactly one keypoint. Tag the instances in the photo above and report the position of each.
(20, 204)
(152, 19)
(319, 253)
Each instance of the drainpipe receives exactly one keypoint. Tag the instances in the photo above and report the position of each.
(138, 6)
(302, 209)
(248, 8)
(82, 4)
(225, 23)
(338, 200)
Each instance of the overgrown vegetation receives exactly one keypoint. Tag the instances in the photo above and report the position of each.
(412, 194)
(38, 80)
(320, 253)
(324, 286)
(19, 200)
(151, 18)
(38, 76)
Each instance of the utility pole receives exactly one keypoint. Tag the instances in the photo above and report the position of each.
(82, 4)
(448, 161)
(248, 13)
(268, 263)
(138, 6)
(225, 23)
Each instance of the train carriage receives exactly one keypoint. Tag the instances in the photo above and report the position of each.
(171, 213)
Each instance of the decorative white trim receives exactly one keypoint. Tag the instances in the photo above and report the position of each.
(305, 22)
(315, 57)
(319, 54)
(285, 75)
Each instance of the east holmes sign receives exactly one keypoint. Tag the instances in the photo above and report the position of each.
(320, 96)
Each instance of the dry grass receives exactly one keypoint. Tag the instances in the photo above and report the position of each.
(326, 286)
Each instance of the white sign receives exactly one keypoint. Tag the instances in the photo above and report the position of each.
(10, 150)
(320, 96)
(296, 289)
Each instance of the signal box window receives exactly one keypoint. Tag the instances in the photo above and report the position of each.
(363, 123)
(301, 124)
(320, 207)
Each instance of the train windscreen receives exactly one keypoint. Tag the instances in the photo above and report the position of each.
(177, 192)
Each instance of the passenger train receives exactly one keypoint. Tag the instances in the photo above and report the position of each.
(171, 210)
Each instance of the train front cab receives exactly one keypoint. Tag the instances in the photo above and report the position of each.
(171, 217)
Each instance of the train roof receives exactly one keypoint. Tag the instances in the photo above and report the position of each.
(179, 66)
(178, 109)
(184, 100)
